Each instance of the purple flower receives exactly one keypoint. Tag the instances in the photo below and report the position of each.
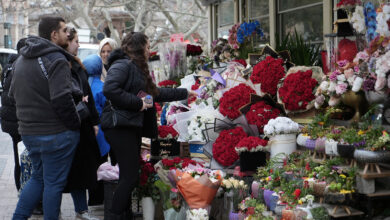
(369, 84)
(342, 63)
(333, 76)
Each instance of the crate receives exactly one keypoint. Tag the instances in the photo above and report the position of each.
(109, 188)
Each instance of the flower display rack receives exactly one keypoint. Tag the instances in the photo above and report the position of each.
(373, 170)
(344, 211)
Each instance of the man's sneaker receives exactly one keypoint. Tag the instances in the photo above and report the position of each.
(86, 216)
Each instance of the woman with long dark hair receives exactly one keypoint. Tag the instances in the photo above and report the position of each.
(127, 77)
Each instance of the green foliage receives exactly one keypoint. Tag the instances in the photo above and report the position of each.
(320, 213)
(302, 53)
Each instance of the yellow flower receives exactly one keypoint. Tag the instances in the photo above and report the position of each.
(343, 176)
(321, 123)
(343, 191)
(300, 202)
(361, 132)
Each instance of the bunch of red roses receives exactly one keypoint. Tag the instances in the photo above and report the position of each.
(193, 50)
(147, 170)
(252, 144)
(234, 99)
(224, 146)
(194, 87)
(167, 84)
(178, 162)
(167, 132)
(268, 73)
(260, 113)
(297, 90)
(348, 3)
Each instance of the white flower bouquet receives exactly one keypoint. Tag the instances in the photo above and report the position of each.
(197, 214)
(281, 125)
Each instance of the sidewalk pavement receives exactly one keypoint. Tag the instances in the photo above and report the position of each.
(9, 194)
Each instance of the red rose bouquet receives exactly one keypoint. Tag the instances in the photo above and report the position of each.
(167, 132)
(260, 113)
(268, 73)
(148, 177)
(177, 162)
(223, 147)
(193, 50)
(167, 84)
(251, 144)
(296, 93)
(234, 99)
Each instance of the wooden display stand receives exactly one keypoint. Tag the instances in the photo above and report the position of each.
(341, 211)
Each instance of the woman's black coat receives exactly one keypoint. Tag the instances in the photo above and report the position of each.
(87, 157)
(122, 73)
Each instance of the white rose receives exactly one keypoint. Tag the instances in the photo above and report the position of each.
(357, 84)
(332, 87)
(341, 78)
(324, 85)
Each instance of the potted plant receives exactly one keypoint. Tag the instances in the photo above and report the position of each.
(376, 149)
(282, 132)
(351, 139)
(252, 152)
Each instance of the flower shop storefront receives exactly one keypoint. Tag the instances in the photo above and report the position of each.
(273, 132)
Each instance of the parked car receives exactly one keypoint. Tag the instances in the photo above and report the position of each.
(4, 54)
(87, 49)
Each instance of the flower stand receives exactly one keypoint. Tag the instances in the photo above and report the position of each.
(147, 208)
(250, 161)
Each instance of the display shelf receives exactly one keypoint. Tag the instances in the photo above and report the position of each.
(379, 193)
(373, 175)
(343, 211)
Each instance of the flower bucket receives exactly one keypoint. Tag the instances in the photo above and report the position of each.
(250, 161)
(273, 202)
(346, 150)
(267, 197)
(236, 216)
(320, 145)
(365, 156)
(283, 143)
(301, 139)
(255, 189)
(147, 208)
(331, 147)
(310, 144)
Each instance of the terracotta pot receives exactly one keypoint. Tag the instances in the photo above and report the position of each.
(346, 150)
(365, 156)
(288, 214)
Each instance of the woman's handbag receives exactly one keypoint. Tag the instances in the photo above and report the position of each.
(112, 118)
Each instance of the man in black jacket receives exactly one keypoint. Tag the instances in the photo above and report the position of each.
(47, 117)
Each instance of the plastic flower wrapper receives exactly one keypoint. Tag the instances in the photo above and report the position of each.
(172, 110)
(173, 58)
(281, 125)
(198, 123)
(198, 186)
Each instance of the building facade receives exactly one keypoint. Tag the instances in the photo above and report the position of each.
(310, 18)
